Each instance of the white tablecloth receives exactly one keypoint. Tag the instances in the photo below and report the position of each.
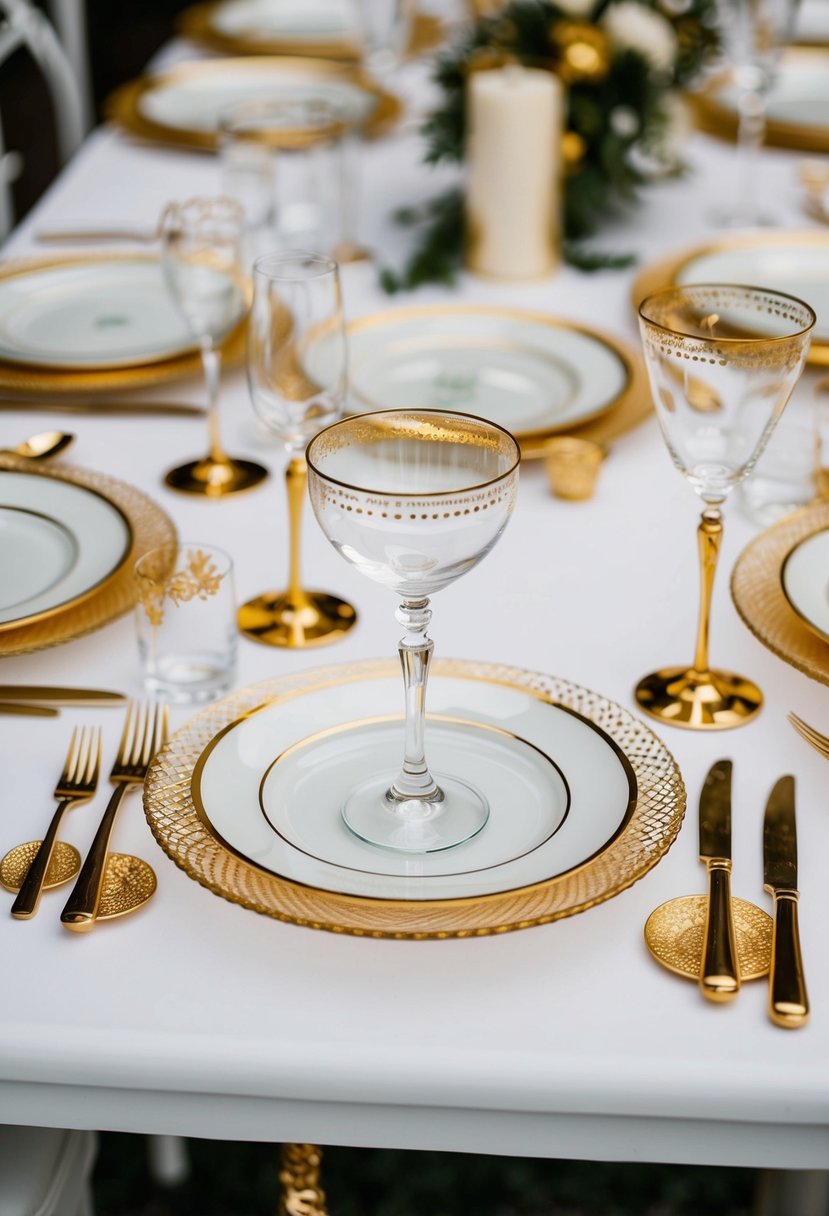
(197, 1016)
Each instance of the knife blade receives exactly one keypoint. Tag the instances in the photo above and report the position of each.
(44, 694)
(127, 409)
(788, 999)
(719, 976)
(31, 711)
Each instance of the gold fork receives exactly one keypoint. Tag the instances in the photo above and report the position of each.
(76, 783)
(145, 731)
(818, 741)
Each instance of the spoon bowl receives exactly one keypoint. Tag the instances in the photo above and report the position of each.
(42, 446)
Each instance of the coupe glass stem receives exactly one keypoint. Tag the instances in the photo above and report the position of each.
(414, 781)
(296, 483)
(212, 362)
(751, 131)
(709, 540)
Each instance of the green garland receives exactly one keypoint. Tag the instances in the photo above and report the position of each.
(618, 114)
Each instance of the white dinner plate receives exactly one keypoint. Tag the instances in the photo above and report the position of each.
(805, 579)
(92, 313)
(532, 374)
(270, 787)
(193, 100)
(312, 20)
(58, 542)
(812, 23)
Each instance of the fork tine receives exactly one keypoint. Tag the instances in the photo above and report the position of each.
(93, 767)
(818, 741)
(70, 764)
(126, 734)
(82, 756)
(140, 738)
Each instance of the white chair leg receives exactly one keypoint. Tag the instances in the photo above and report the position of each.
(168, 1159)
(793, 1193)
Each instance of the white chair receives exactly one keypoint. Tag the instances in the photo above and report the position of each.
(23, 27)
(46, 1172)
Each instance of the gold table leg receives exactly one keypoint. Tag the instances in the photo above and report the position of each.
(300, 1193)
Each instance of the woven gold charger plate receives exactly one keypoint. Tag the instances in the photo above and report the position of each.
(757, 591)
(199, 22)
(126, 105)
(116, 595)
(42, 380)
(646, 834)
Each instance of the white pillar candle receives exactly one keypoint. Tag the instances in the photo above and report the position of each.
(513, 155)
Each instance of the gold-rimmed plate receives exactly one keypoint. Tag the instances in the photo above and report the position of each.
(797, 104)
(647, 826)
(148, 526)
(535, 374)
(183, 106)
(795, 262)
(761, 600)
(320, 28)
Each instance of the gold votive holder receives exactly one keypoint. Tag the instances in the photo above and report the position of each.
(573, 466)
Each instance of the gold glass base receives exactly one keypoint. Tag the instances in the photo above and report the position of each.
(275, 619)
(711, 700)
(215, 478)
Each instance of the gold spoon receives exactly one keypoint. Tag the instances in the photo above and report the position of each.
(41, 446)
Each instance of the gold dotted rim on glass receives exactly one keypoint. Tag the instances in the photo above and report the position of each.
(674, 934)
(680, 291)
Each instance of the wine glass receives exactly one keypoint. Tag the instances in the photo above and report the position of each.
(200, 257)
(413, 500)
(297, 380)
(385, 28)
(722, 361)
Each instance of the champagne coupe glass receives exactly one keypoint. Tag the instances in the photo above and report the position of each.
(200, 256)
(297, 380)
(722, 361)
(413, 500)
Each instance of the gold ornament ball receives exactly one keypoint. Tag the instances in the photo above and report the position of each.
(583, 52)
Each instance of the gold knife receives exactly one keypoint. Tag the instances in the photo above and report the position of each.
(788, 1000)
(31, 711)
(175, 409)
(719, 976)
(19, 694)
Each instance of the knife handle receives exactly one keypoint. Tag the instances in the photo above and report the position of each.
(788, 1000)
(719, 976)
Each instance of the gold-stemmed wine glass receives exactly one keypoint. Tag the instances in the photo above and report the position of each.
(297, 378)
(201, 259)
(413, 500)
(722, 361)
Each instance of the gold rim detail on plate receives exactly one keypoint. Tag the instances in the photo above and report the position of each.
(123, 106)
(28, 378)
(608, 422)
(644, 839)
(664, 273)
(198, 23)
(810, 625)
(149, 527)
(717, 119)
(757, 592)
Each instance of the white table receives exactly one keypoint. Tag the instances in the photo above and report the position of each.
(201, 1018)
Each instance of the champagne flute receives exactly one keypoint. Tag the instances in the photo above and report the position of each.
(297, 380)
(723, 361)
(413, 500)
(200, 256)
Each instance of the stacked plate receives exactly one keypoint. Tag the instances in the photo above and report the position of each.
(93, 323)
(68, 542)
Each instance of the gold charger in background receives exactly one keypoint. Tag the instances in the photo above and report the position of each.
(645, 836)
(123, 106)
(758, 595)
(150, 527)
(199, 23)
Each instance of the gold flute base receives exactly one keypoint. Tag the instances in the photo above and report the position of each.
(215, 478)
(275, 619)
(711, 700)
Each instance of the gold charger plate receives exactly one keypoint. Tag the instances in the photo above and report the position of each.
(49, 381)
(664, 273)
(198, 23)
(718, 119)
(116, 595)
(626, 411)
(646, 835)
(123, 106)
(758, 595)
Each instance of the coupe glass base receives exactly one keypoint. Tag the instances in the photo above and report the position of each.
(215, 478)
(276, 619)
(415, 825)
(711, 700)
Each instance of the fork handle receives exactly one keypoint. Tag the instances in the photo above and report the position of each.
(82, 905)
(28, 897)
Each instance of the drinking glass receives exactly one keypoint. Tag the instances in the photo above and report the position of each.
(722, 361)
(413, 500)
(385, 28)
(200, 256)
(297, 380)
